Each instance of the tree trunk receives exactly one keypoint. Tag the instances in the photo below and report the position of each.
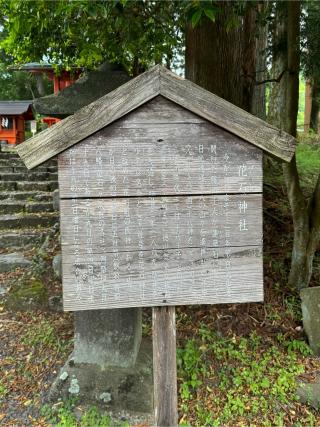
(214, 56)
(283, 109)
(40, 84)
(249, 54)
(221, 61)
(259, 91)
(314, 116)
(306, 217)
(278, 90)
(293, 48)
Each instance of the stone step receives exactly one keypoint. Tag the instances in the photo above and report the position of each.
(22, 238)
(23, 169)
(8, 207)
(13, 177)
(5, 147)
(9, 221)
(39, 207)
(11, 207)
(28, 176)
(8, 185)
(10, 163)
(16, 161)
(34, 185)
(9, 262)
(6, 169)
(9, 155)
(53, 169)
(31, 196)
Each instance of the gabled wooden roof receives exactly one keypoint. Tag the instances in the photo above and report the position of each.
(157, 81)
(14, 108)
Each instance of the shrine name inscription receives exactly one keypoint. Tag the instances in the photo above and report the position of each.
(161, 208)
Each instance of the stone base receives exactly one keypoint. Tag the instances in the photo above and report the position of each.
(115, 389)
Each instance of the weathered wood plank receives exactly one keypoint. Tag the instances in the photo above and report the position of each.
(90, 119)
(164, 277)
(164, 367)
(159, 159)
(221, 112)
(159, 110)
(156, 81)
(125, 224)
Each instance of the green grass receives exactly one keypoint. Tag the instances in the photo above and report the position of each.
(3, 390)
(239, 379)
(63, 416)
(43, 335)
(300, 118)
(308, 158)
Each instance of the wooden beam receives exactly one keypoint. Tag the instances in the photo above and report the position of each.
(185, 221)
(144, 155)
(90, 119)
(165, 367)
(230, 117)
(138, 91)
(169, 277)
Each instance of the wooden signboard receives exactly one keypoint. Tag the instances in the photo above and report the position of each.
(161, 204)
(161, 208)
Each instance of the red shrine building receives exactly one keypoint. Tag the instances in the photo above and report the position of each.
(60, 81)
(13, 115)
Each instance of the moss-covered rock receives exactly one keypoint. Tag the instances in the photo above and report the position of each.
(27, 295)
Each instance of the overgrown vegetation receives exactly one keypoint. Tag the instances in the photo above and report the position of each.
(308, 158)
(249, 380)
(237, 364)
(62, 415)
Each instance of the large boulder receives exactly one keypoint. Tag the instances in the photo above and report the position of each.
(308, 389)
(310, 304)
(9, 262)
(57, 266)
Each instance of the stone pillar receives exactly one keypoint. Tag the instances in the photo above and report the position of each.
(110, 366)
(107, 337)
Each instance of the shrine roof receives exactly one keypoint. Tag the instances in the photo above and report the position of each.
(41, 66)
(81, 93)
(136, 92)
(14, 108)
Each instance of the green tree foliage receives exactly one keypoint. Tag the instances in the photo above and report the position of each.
(310, 56)
(310, 39)
(85, 33)
(19, 85)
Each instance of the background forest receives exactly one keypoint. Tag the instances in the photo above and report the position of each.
(238, 365)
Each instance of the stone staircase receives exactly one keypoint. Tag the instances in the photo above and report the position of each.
(26, 205)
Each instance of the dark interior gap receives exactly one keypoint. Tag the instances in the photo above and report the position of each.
(160, 195)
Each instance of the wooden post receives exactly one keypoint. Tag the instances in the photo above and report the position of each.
(165, 367)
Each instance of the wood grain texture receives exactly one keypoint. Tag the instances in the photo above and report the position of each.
(90, 119)
(156, 81)
(161, 222)
(221, 112)
(140, 154)
(163, 277)
(164, 367)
